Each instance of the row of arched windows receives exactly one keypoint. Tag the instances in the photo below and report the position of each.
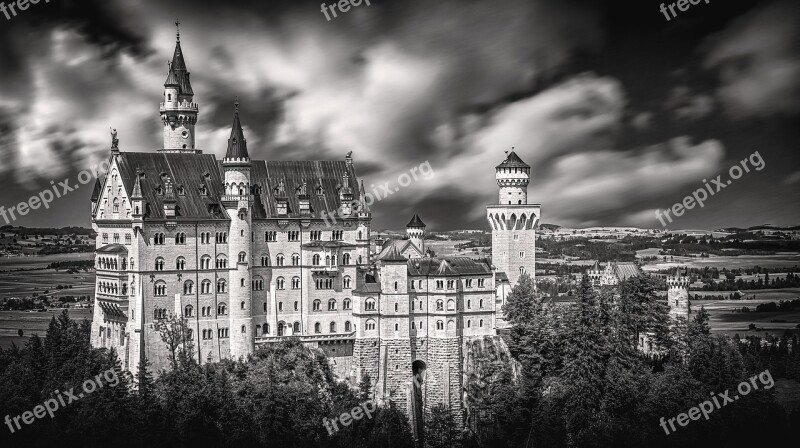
(109, 263)
(112, 288)
(332, 327)
(346, 304)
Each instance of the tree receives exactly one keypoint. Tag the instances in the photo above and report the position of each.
(440, 428)
(174, 332)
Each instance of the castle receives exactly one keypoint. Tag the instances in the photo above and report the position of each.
(240, 249)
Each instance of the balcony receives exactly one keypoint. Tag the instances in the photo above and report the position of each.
(329, 270)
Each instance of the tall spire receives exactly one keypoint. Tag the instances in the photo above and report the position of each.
(178, 75)
(237, 144)
(178, 30)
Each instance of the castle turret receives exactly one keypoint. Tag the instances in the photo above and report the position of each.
(513, 176)
(415, 230)
(678, 294)
(238, 202)
(178, 111)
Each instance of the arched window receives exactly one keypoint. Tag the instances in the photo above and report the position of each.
(317, 328)
(369, 305)
(346, 304)
(266, 328)
(296, 329)
(281, 328)
(315, 260)
(205, 262)
(395, 286)
(480, 304)
(347, 326)
(244, 329)
(222, 261)
(295, 282)
(188, 310)
(180, 238)
(159, 264)
(205, 287)
(481, 323)
(124, 289)
(116, 205)
(265, 260)
(279, 283)
(451, 305)
(295, 260)
(439, 325)
(333, 327)
(221, 286)
(346, 282)
(332, 305)
(346, 259)
(188, 287)
(396, 327)
(242, 257)
(241, 305)
(439, 305)
(258, 283)
(159, 288)
(369, 325)
(317, 305)
(222, 309)
(279, 260)
(180, 263)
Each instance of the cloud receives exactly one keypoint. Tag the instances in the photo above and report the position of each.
(757, 59)
(642, 121)
(688, 106)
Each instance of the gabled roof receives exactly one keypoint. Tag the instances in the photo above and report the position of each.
(392, 254)
(400, 245)
(98, 187)
(415, 222)
(112, 249)
(449, 266)
(513, 161)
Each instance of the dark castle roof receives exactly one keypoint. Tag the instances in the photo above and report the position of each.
(237, 145)
(450, 266)
(513, 161)
(415, 222)
(178, 76)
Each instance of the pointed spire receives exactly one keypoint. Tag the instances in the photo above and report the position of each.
(178, 75)
(237, 145)
(177, 30)
(415, 222)
(98, 187)
(362, 199)
(137, 187)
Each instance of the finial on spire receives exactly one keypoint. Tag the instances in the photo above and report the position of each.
(178, 30)
(236, 104)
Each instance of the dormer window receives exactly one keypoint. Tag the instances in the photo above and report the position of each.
(181, 191)
(159, 191)
(203, 190)
(319, 190)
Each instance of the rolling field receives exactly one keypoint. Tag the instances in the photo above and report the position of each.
(31, 323)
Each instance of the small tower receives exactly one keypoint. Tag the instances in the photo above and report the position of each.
(364, 219)
(513, 221)
(238, 202)
(678, 294)
(178, 111)
(415, 230)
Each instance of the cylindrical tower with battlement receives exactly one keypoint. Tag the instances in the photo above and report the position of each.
(678, 295)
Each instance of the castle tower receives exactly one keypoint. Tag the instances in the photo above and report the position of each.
(678, 294)
(178, 112)
(513, 221)
(395, 324)
(415, 230)
(364, 219)
(238, 202)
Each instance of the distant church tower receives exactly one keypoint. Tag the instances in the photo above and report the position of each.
(178, 112)
(239, 204)
(415, 230)
(678, 295)
(513, 221)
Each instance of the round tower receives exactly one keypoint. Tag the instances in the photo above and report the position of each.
(678, 294)
(513, 176)
(415, 230)
(238, 202)
(178, 111)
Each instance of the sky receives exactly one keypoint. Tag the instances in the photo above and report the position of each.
(618, 110)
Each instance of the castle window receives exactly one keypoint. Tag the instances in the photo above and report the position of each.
(333, 327)
(296, 328)
(317, 328)
(332, 305)
(369, 305)
(258, 284)
(522, 254)
(346, 305)
(439, 325)
(160, 289)
(395, 286)
(265, 307)
(317, 304)
(370, 325)
(346, 282)
(396, 306)
(279, 260)
(127, 240)
(296, 305)
(205, 287)
(180, 263)
(480, 283)
(116, 238)
(265, 260)
(188, 310)
(295, 260)
(521, 270)
(266, 328)
(315, 260)
(270, 235)
(279, 283)
(158, 239)
(516, 237)
(222, 309)
(469, 323)
(451, 305)
(295, 282)
(244, 329)
(316, 235)
(337, 235)
(180, 238)
(158, 313)
(396, 327)
(451, 284)
(439, 284)
(241, 305)
(439, 305)
(294, 235)
(280, 306)
(481, 323)
(281, 328)
(205, 262)
(116, 205)
(347, 326)
(480, 304)
(159, 264)
(469, 304)
(222, 262)
(188, 287)
(242, 257)
(413, 325)
(221, 286)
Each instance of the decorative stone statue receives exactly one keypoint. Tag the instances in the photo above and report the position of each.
(114, 139)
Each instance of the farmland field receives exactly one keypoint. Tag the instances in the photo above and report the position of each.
(31, 323)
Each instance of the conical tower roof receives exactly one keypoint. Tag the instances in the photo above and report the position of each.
(237, 145)
(513, 161)
(415, 222)
(178, 75)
